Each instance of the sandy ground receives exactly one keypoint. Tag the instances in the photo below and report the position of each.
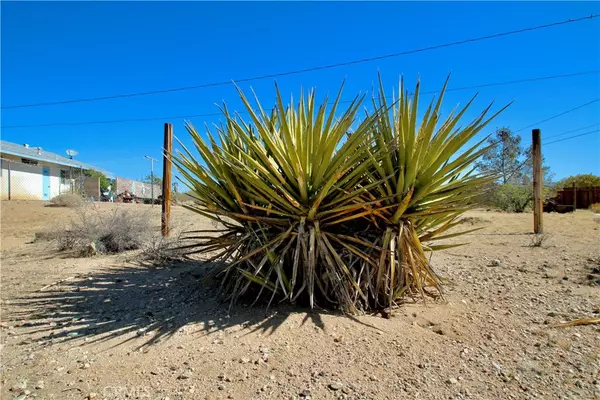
(116, 330)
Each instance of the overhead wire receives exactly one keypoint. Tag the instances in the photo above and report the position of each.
(558, 115)
(304, 70)
(117, 121)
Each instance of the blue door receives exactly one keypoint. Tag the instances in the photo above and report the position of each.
(45, 183)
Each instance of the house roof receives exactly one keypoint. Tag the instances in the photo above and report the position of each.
(38, 154)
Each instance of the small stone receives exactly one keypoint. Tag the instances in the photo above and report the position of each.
(497, 366)
(92, 396)
(187, 374)
(336, 386)
(221, 387)
(338, 339)
(452, 381)
(305, 393)
(141, 332)
(85, 366)
(39, 385)
(438, 329)
(579, 383)
(244, 360)
(496, 263)
(19, 387)
(265, 357)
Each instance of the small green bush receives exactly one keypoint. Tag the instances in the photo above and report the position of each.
(511, 198)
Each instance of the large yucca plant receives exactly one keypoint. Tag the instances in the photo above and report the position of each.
(316, 212)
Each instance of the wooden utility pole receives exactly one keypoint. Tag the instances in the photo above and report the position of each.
(538, 209)
(166, 182)
(574, 197)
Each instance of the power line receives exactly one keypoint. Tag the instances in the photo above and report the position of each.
(572, 137)
(485, 85)
(559, 115)
(570, 131)
(300, 71)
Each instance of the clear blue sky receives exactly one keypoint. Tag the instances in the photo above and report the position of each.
(61, 51)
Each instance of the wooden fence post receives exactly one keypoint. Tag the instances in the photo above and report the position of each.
(166, 183)
(574, 197)
(9, 182)
(538, 209)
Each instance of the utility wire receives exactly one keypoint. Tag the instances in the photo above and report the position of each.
(558, 115)
(569, 131)
(572, 137)
(485, 85)
(300, 71)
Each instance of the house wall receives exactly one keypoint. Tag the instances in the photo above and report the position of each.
(26, 181)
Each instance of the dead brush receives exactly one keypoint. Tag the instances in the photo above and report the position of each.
(538, 240)
(70, 200)
(162, 251)
(95, 232)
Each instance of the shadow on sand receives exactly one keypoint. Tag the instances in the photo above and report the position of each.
(140, 301)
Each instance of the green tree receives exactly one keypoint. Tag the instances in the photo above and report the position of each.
(580, 181)
(511, 161)
(152, 179)
(504, 158)
(527, 169)
(105, 182)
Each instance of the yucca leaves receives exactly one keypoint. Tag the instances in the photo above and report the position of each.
(316, 214)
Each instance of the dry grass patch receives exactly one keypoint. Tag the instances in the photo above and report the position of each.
(94, 232)
(70, 200)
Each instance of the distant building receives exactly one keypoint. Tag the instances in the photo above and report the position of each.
(31, 173)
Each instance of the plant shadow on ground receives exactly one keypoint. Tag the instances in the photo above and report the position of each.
(140, 302)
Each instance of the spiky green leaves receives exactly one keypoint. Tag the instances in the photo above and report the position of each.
(315, 214)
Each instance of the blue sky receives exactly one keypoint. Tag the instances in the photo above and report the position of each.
(62, 51)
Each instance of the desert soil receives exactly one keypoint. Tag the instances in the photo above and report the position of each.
(110, 328)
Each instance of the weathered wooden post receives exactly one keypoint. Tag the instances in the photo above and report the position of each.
(166, 182)
(574, 197)
(538, 209)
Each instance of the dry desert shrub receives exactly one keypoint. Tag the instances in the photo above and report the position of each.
(70, 200)
(95, 232)
(538, 240)
(595, 207)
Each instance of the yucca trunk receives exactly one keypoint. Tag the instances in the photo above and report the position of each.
(314, 214)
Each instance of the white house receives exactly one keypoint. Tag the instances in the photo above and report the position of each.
(31, 173)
